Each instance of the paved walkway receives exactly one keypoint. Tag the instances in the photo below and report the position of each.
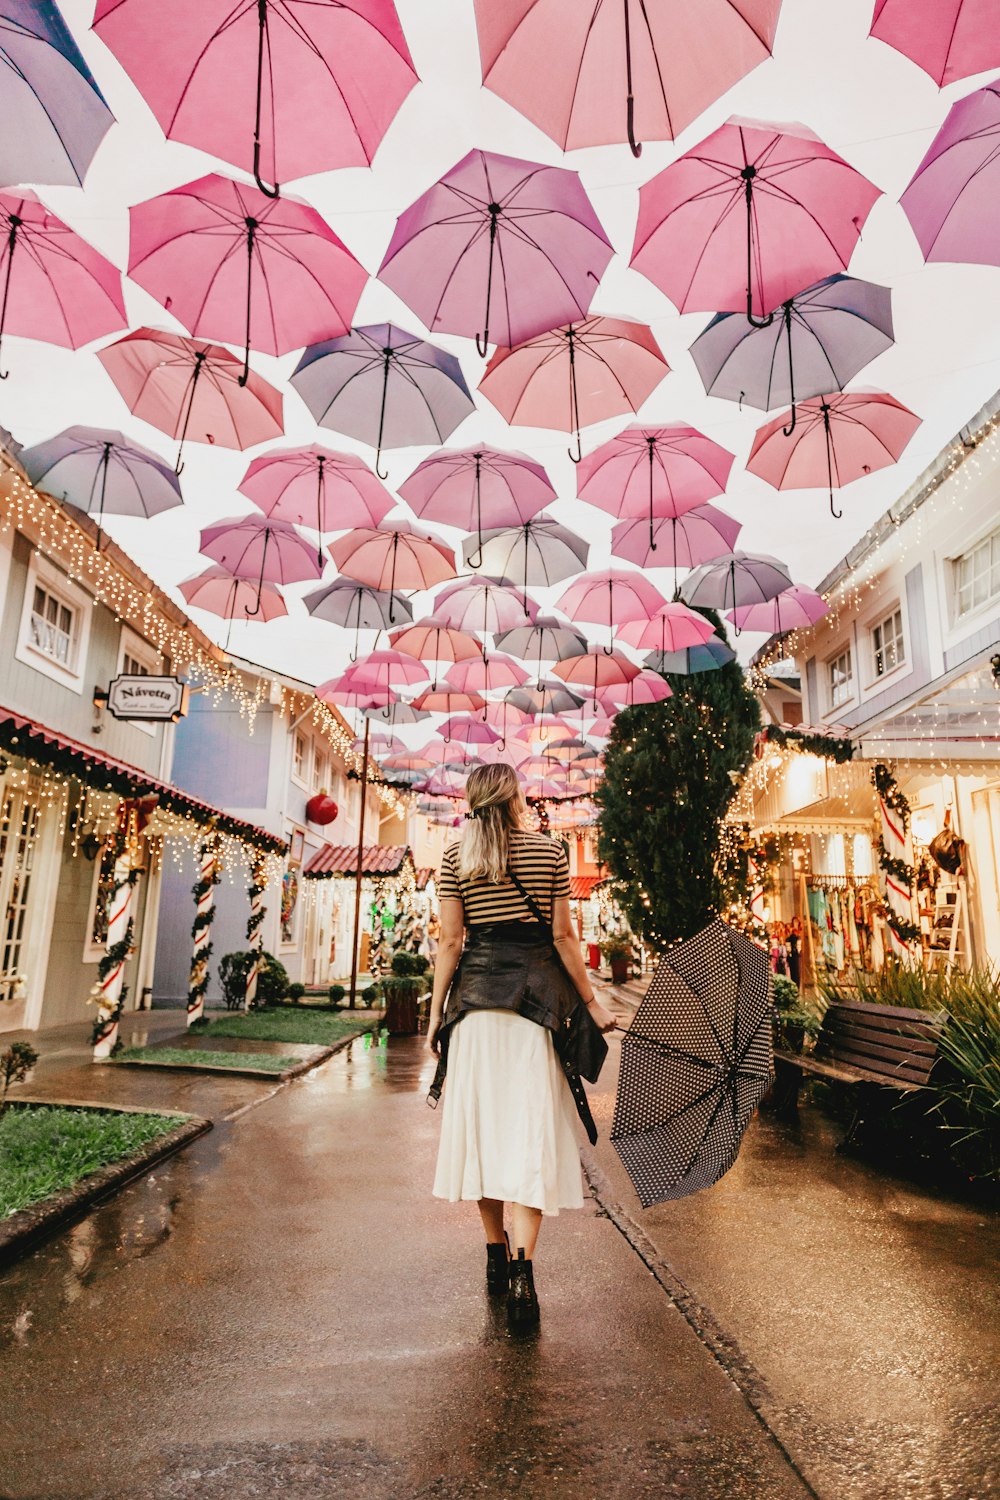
(283, 1309)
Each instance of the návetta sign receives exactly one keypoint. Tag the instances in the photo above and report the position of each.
(135, 696)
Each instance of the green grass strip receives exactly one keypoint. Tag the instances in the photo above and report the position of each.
(46, 1149)
(320, 1029)
(264, 1062)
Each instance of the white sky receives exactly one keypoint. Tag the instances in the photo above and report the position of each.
(867, 101)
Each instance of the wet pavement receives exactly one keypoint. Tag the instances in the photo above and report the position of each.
(282, 1308)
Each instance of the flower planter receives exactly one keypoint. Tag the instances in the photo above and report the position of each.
(619, 970)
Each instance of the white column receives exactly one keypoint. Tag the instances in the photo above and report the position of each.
(108, 990)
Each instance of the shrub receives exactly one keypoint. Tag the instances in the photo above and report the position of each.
(407, 964)
(786, 992)
(337, 994)
(272, 979)
(617, 946)
(16, 1062)
(296, 991)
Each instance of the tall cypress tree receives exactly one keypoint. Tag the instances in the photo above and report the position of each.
(666, 788)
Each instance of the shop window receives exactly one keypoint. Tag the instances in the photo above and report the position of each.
(55, 624)
(888, 649)
(300, 758)
(840, 678)
(289, 908)
(977, 575)
(97, 926)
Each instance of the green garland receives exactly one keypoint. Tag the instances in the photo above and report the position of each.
(831, 747)
(198, 980)
(895, 867)
(907, 932)
(110, 959)
(888, 789)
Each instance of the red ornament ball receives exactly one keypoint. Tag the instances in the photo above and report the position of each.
(321, 809)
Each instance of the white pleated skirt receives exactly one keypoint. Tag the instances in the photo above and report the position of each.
(508, 1127)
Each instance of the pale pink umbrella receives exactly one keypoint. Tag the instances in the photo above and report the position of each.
(576, 375)
(342, 693)
(486, 674)
(233, 264)
(646, 687)
(282, 88)
(672, 628)
(407, 760)
(595, 669)
(56, 287)
(469, 731)
(192, 390)
(748, 218)
(591, 73)
(446, 700)
(654, 472)
(385, 669)
(432, 641)
(486, 604)
(267, 551)
(792, 609)
(316, 487)
(611, 597)
(949, 39)
(380, 742)
(837, 439)
(218, 592)
(677, 542)
(397, 555)
(505, 717)
(478, 488)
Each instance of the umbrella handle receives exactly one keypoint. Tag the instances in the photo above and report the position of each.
(483, 343)
(577, 457)
(574, 402)
(829, 460)
(635, 147)
(275, 191)
(15, 224)
(479, 504)
(105, 459)
(386, 357)
(260, 582)
(199, 360)
(652, 535)
(748, 174)
(791, 369)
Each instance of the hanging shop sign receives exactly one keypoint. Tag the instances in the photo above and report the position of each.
(135, 696)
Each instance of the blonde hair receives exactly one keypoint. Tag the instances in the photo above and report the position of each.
(496, 806)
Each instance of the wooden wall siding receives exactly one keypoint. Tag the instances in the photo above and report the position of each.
(918, 652)
(216, 757)
(173, 937)
(980, 640)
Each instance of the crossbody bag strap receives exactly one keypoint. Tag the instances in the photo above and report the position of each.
(530, 902)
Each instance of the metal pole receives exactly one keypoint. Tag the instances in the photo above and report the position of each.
(357, 873)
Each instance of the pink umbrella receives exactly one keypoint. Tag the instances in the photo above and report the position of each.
(505, 717)
(484, 675)
(56, 287)
(611, 598)
(595, 74)
(449, 701)
(836, 440)
(432, 640)
(282, 88)
(645, 687)
(469, 731)
(486, 604)
(679, 542)
(949, 39)
(790, 610)
(573, 376)
(233, 264)
(385, 669)
(672, 628)
(477, 488)
(654, 471)
(595, 669)
(218, 592)
(951, 200)
(268, 551)
(192, 390)
(498, 239)
(344, 693)
(748, 218)
(395, 556)
(316, 487)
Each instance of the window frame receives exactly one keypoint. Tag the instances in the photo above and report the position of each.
(833, 701)
(960, 616)
(319, 759)
(41, 574)
(301, 775)
(876, 624)
(130, 643)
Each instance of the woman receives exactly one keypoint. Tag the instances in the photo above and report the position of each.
(508, 1133)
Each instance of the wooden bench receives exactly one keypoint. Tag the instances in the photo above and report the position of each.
(868, 1047)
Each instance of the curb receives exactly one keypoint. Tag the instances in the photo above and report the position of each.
(240, 1072)
(23, 1230)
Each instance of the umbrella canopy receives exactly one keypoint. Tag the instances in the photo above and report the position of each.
(949, 39)
(823, 337)
(55, 116)
(695, 1064)
(611, 597)
(282, 88)
(397, 555)
(748, 218)
(506, 718)
(233, 264)
(539, 553)
(99, 469)
(596, 74)
(56, 287)
(431, 639)
(469, 731)
(654, 472)
(445, 700)
(544, 697)
(792, 609)
(266, 551)
(484, 603)
(477, 488)
(499, 249)
(483, 674)
(951, 199)
(218, 592)
(836, 440)
(647, 687)
(396, 712)
(366, 699)
(192, 390)
(356, 607)
(736, 579)
(672, 628)
(680, 542)
(382, 670)
(573, 376)
(316, 487)
(385, 387)
(706, 657)
(548, 639)
(596, 669)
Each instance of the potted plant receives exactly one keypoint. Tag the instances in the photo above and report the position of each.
(617, 951)
(792, 1021)
(401, 990)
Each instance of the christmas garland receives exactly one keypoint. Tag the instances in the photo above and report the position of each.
(827, 745)
(898, 868)
(198, 981)
(888, 790)
(106, 1020)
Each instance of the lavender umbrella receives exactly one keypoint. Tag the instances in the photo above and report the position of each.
(544, 697)
(473, 487)
(677, 542)
(251, 547)
(316, 487)
(540, 552)
(484, 604)
(735, 580)
(356, 607)
(548, 639)
(99, 469)
(818, 341)
(501, 236)
(791, 609)
(951, 200)
(385, 387)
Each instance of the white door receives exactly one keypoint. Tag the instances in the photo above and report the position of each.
(19, 821)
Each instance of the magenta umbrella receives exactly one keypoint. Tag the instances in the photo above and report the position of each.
(268, 551)
(672, 628)
(951, 200)
(316, 487)
(595, 73)
(573, 376)
(233, 264)
(218, 592)
(837, 439)
(477, 488)
(486, 674)
(395, 556)
(56, 287)
(192, 390)
(677, 542)
(949, 39)
(282, 88)
(748, 218)
(611, 598)
(654, 471)
(489, 605)
(498, 240)
(469, 731)
(792, 609)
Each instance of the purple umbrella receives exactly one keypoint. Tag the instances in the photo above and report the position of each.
(951, 199)
(99, 469)
(385, 387)
(817, 342)
(356, 607)
(315, 487)
(502, 236)
(676, 541)
(252, 547)
(477, 488)
(736, 580)
(540, 552)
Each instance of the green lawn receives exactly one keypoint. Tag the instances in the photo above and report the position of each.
(266, 1062)
(317, 1028)
(46, 1149)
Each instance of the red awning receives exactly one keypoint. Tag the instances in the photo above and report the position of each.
(580, 886)
(21, 736)
(342, 859)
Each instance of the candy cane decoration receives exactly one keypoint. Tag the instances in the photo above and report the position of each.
(896, 859)
(756, 882)
(108, 990)
(255, 929)
(201, 932)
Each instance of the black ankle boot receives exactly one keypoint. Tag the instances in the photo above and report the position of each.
(497, 1262)
(522, 1300)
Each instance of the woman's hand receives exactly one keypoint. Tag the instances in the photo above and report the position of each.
(600, 1015)
(434, 1035)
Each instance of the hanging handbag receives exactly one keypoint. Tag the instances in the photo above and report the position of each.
(947, 849)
